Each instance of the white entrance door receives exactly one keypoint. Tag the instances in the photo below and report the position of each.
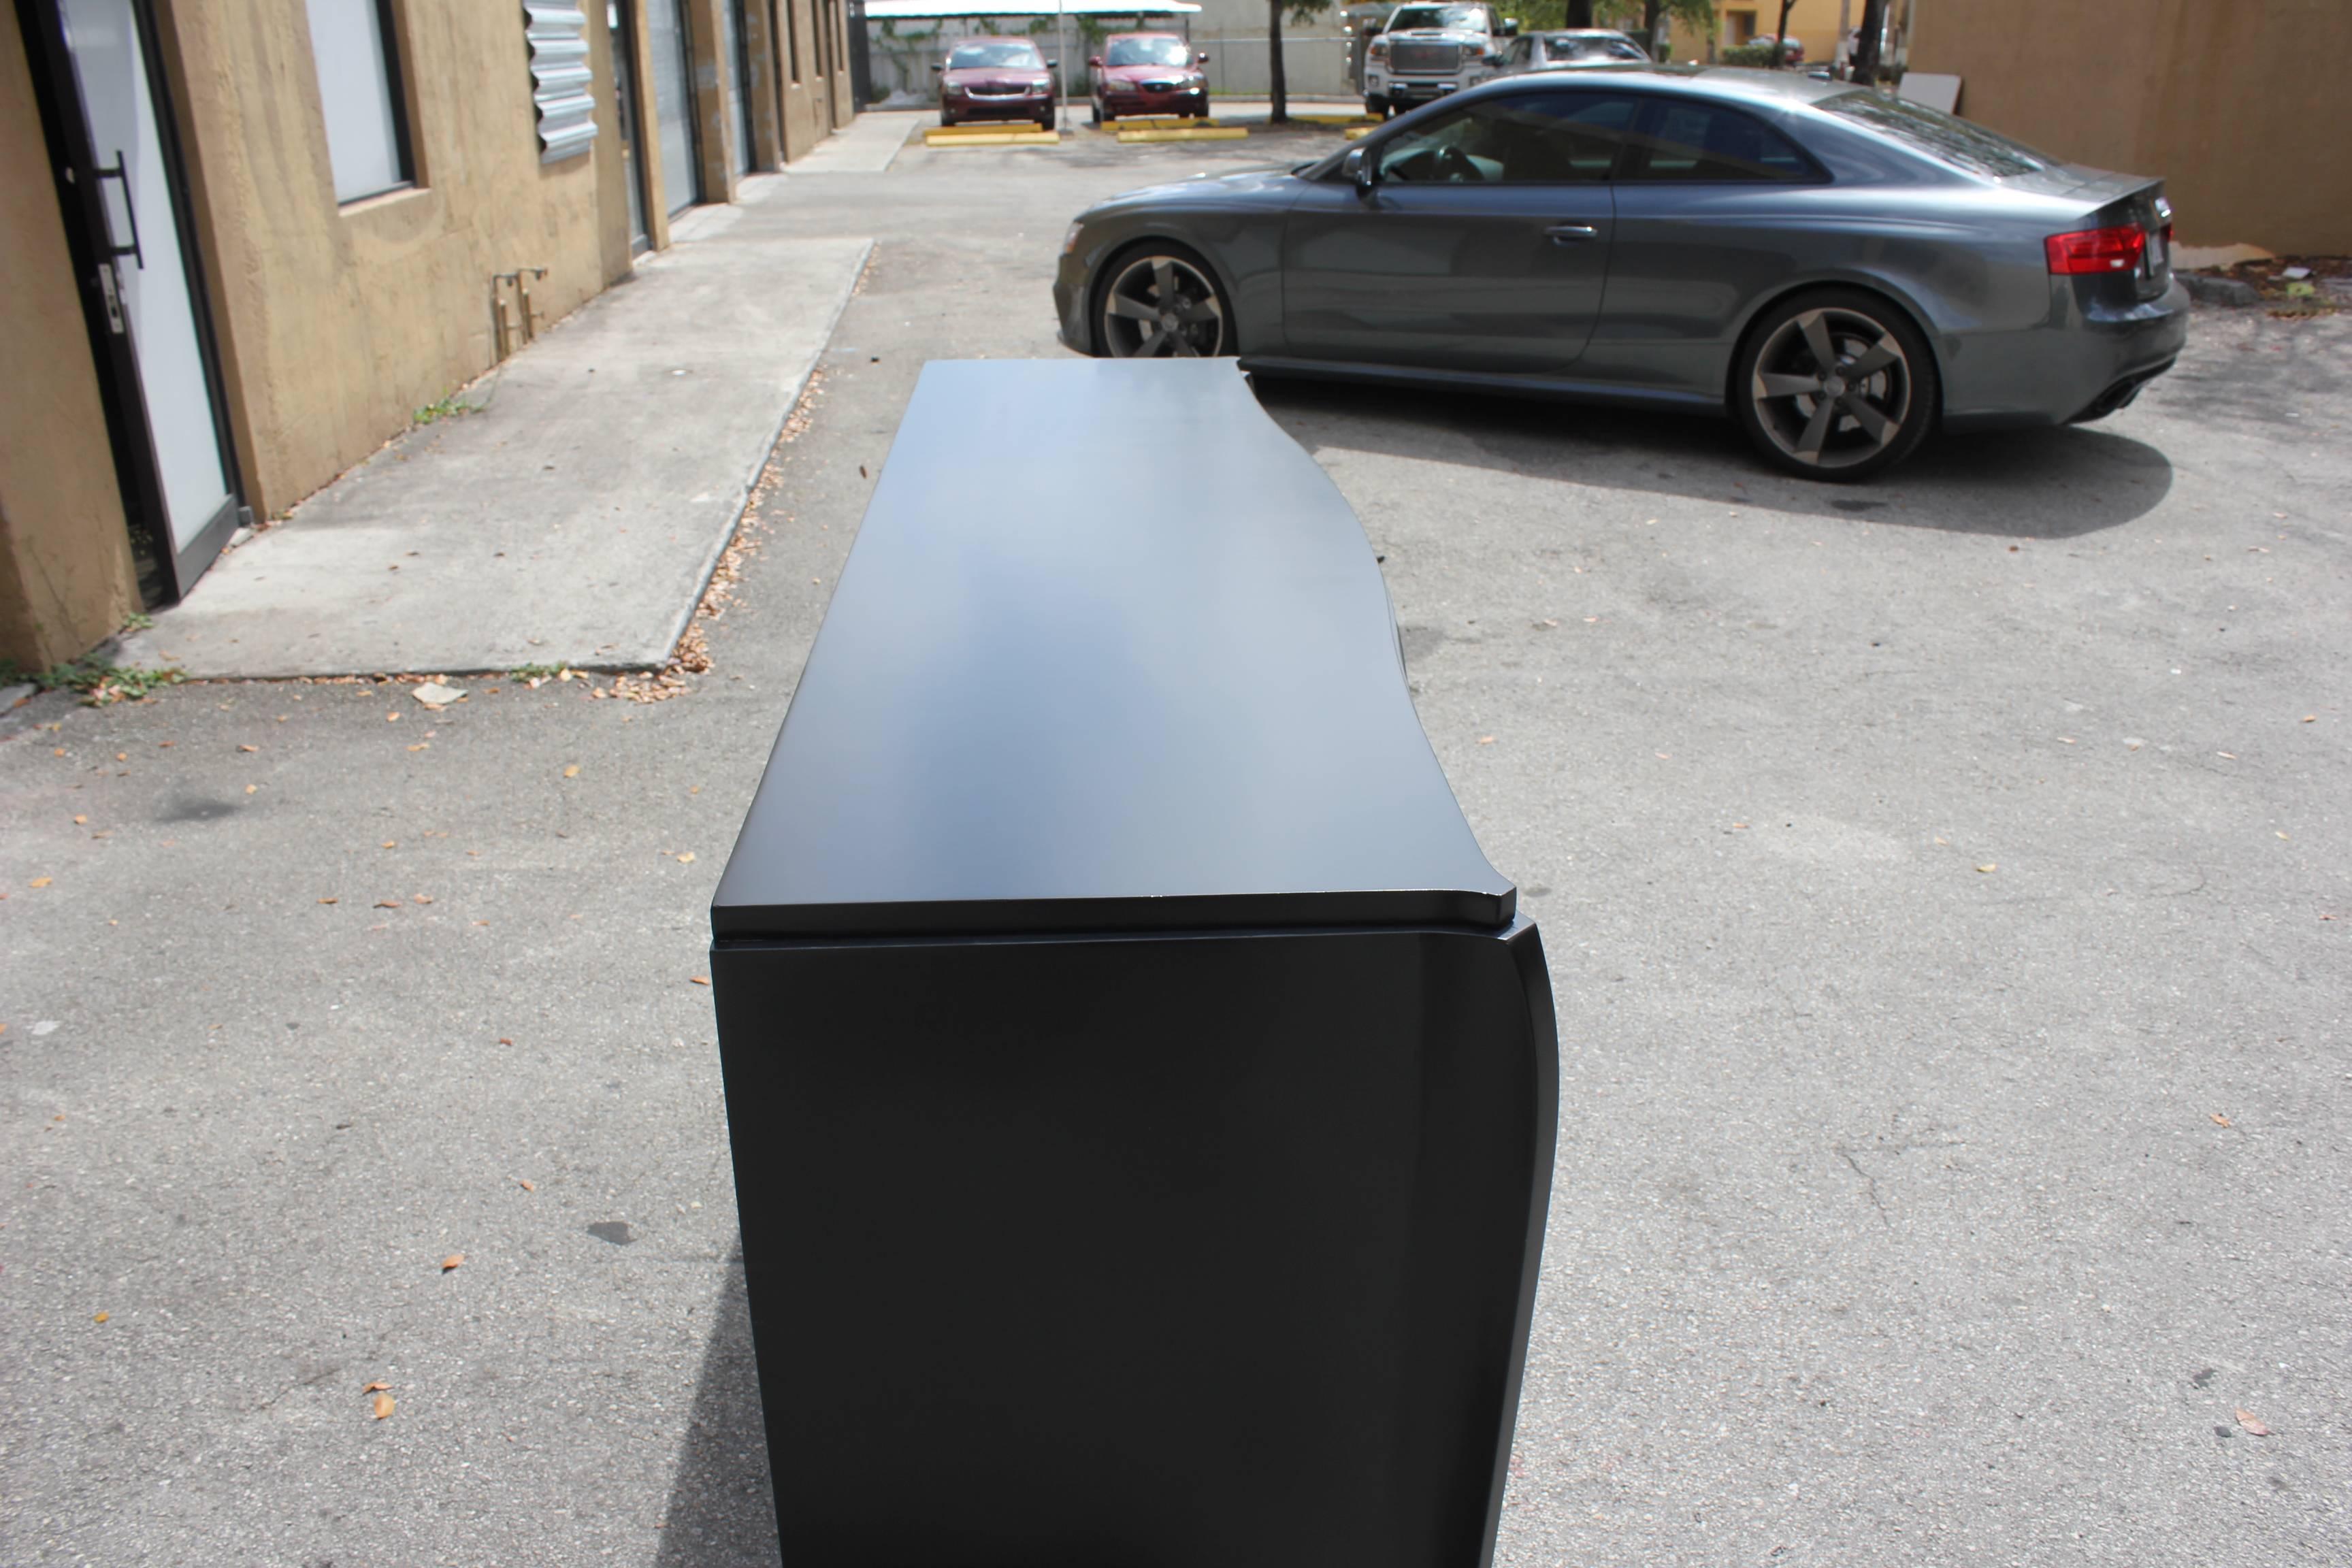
(150, 274)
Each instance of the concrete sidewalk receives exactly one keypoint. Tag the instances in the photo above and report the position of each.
(866, 146)
(574, 517)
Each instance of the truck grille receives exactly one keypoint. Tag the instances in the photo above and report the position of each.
(1415, 59)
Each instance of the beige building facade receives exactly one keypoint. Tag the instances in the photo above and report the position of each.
(2233, 105)
(2229, 103)
(242, 245)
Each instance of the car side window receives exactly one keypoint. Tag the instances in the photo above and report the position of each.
(1713, 144)
(1537, 138)
(1517, 55)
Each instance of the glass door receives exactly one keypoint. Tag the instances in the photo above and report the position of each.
(672, 53)
(123, 192)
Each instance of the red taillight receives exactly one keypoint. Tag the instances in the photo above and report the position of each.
(2117, 249)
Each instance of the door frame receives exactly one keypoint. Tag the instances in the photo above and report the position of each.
(629, 111)
(90, 240)
(671, 205)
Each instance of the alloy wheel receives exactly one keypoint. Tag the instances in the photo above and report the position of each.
(1162, 306)
(1832, 388)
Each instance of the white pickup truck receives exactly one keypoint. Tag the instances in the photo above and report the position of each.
(1427, 51)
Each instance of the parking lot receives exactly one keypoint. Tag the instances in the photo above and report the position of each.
(1944, 880)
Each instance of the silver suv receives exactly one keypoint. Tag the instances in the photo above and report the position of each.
(1427, 51)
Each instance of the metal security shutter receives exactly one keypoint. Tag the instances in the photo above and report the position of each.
(558, 79)
(674, 102)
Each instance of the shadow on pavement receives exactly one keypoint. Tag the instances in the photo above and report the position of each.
(2025, 484)
(721, 1512)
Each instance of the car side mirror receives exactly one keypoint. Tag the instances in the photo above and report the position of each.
(1202, 58)
(1053, 65)
(1359, 170)
(1095, 60)
(936, 69)
(1510, 26)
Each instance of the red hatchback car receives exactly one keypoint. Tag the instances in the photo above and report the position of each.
(1148, 73)
(996, 78)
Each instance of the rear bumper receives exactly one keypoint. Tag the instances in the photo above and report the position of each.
(2083, 363)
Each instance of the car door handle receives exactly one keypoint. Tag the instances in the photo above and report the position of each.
(1572, 233)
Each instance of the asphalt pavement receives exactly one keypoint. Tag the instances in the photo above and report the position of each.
(1945, 882)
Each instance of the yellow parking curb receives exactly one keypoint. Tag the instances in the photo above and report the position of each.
(982, 128)
(1365, 119)
(1159, 123)
(956, 136)
(1359, 132)
(1213, 134)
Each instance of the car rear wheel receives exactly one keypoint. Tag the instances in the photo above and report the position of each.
(1837, 384)
(1161, 301)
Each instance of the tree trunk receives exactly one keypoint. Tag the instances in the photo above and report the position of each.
(1651, 10)
(1279, 89)
(1865, 49)
(1781, 36)
(1580, 13)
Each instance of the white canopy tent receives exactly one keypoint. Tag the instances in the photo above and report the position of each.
(1061, 11)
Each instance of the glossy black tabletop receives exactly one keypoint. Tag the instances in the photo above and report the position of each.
(1111, 653)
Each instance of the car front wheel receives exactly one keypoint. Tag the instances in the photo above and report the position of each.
(1836, 384)
(1161, 301)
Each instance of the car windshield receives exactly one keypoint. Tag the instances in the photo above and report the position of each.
(1471, 17)
(1943, 137)
(1149, 52)
(980, 57)
(1572, 47)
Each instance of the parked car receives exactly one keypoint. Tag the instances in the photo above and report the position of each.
(996, 78)
(1148, 73)
(1839, 271)
(1424, 52)
(1576, 49)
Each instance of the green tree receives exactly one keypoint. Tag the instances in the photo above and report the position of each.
(1698, 16)
(1865, 68)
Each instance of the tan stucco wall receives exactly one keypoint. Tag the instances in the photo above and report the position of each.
(808, 102)
(715, 130)
(2237, 106)
(337, 323)
(66, 577)
(844, 101)
(1814, 23)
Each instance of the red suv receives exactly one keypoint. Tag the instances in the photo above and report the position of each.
(1148, 73)
(996, 78)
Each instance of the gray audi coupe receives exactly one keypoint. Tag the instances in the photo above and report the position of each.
(1841, 271)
